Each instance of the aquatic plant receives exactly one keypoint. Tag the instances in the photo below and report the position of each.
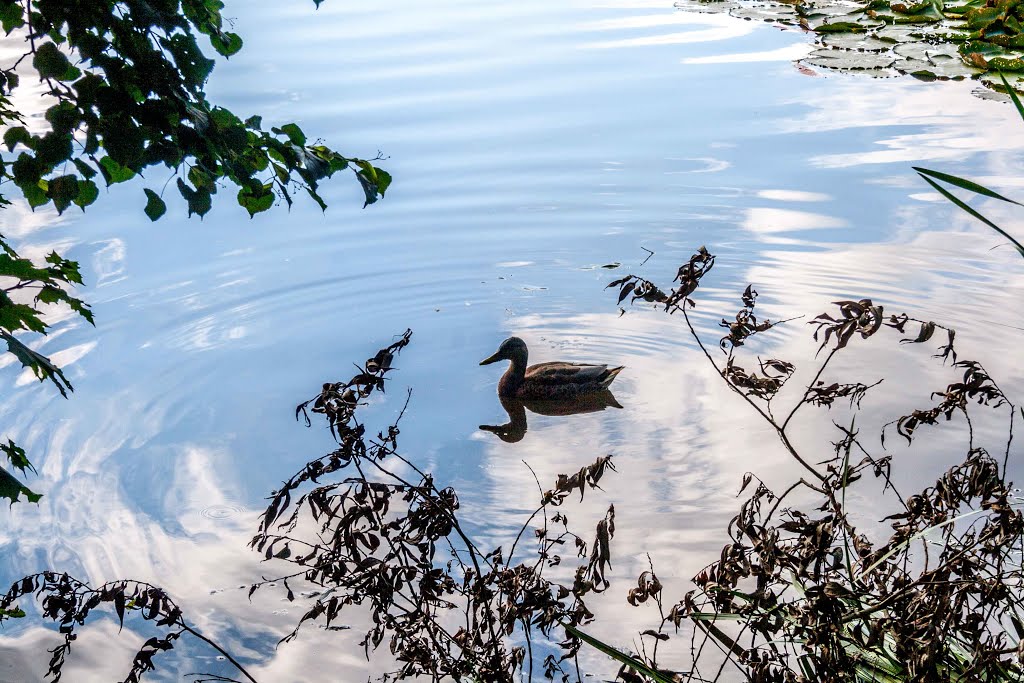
(803, 594)
(930, 40)
(931, 177)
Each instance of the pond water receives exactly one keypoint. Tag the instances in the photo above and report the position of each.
(531, 144)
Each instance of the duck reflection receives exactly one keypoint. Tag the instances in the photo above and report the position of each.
(515, 429)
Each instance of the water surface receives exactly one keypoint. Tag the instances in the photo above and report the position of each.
(531, 143)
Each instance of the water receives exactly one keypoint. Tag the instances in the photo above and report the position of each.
(531, 143)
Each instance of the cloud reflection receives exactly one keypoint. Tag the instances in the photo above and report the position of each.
(684, 439)
(204, 563)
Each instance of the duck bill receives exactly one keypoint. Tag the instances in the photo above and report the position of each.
(492, 359)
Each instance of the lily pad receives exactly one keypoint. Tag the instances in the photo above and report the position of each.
(929, 40)
(856, 42)
(845, 60)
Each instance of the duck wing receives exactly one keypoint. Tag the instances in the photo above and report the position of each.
(560, 374)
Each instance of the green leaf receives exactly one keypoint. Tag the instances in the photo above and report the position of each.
(114, 172)
(14, 317)
(195, 68)
(1001, 64)
(11, 16)
(841, 27)
(12, 489)
(87, 193)
(226, 43)
(383, 181)
(38, 363)
(1013, 95)
(53, 148)
(27, 170)
(12, 613)
(50, 62)
(199, 200)
(12, 79)
(63, 269)
(318, 199)
(64, 117)
(155, 207)
(124, 141)
(619, 656)
(52, 294)
(16, 456)
(951, 197)
(293, 132)
(85, 169)
(256, 200)
(12, 136)
(368, 169)
(200, 178)
(371, 190)
(964, 184)
(12, 265)
(63, 190)
(35, 194)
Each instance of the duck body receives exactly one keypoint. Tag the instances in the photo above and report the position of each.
(547, 381)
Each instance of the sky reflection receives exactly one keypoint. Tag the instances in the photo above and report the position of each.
(521, 162)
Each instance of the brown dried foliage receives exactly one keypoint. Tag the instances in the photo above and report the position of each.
(803, 595)
(369, 528)
(69, 602)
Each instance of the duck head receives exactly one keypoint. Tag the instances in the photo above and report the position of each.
(513, 349)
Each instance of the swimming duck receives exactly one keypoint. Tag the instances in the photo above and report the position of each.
(546, 380)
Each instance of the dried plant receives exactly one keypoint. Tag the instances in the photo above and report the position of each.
(368, 527)
(69, 602)
(802, 594)
(798, 593)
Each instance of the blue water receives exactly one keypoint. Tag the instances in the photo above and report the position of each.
(531, 143)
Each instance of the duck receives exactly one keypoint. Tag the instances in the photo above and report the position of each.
(545, 381)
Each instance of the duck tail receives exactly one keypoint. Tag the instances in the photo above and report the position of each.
(610, 377)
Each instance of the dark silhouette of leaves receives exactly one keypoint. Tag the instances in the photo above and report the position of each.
(368, 527)
(812, 597)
